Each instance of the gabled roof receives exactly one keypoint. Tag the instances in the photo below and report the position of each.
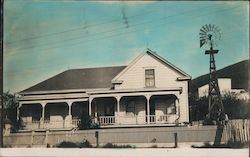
(79, 79)
(155, 55)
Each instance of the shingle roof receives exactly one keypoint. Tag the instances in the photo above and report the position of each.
(79, 79)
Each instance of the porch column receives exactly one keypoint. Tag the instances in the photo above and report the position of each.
(148, 108)
(43, 114)
(177, 103)
(90, 101)
(70, 104)
(95, 106)
(118, 108)
(68, 120)
(18, 111)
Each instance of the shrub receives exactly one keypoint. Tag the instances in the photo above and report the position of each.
(86, 123)
(85, 144)
(110, 145)
(199, 107)
(154, 146)
(65, 144)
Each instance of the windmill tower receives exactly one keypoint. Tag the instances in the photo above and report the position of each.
(209, 34)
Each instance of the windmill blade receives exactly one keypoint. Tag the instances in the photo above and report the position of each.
(210, 27)
(213, 27)
(209, 33)
(202, 42)
(202, 34)
(207, 27)
(202, 31)
(204, 28)
(203, 37)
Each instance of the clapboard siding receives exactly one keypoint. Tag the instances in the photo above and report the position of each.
(134, 77)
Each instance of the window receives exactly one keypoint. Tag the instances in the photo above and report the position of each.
(149, 77)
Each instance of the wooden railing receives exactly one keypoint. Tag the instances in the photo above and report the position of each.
(106, 120)
(52, 124)
(133, 120)
(102, 121)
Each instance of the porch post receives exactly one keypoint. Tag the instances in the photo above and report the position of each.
(18, 111)
(148, 108)
(95, 106)
(118, 108)
(69, 117)
(177, 105)
(70, 104)
(43, 114)
(90, 101)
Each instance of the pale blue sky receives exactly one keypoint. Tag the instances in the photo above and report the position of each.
(43, 38)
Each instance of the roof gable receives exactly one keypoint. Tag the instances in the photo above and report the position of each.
(156, 56)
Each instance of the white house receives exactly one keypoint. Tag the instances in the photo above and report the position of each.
(148, 91)
(225, 87)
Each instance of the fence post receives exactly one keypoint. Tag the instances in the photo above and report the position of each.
(32, 138)
(46, 137)
(97, 138)
(175, 140)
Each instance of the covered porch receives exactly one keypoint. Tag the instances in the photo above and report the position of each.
(110, 108)
(135, 108)
(51, 114)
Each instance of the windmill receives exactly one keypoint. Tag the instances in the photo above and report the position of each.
(210, 34)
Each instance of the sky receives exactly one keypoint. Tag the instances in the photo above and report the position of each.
(43, 38)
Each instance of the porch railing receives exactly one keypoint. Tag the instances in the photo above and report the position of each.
(51, 124)
(106, 120)
(159, 118)
(102, 121)
(127, 120)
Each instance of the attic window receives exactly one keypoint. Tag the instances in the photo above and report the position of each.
(149, 77)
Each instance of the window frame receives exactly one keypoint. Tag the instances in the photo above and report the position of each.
(148, 78)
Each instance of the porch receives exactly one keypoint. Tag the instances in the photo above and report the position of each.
(112, 109)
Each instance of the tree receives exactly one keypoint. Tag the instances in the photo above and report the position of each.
(235, 108)
(10, 109)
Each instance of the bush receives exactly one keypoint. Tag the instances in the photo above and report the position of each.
(110, 145)
(83, 144)
(199, 107)
(86, 123)
(65, 144)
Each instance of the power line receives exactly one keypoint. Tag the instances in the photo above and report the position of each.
(77, 28)
(113, 35)
(47, 66)
(113, 30)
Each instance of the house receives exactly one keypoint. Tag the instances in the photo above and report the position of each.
(225, 86)
(150, 91)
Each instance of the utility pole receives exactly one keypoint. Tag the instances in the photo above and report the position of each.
(1, 74)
